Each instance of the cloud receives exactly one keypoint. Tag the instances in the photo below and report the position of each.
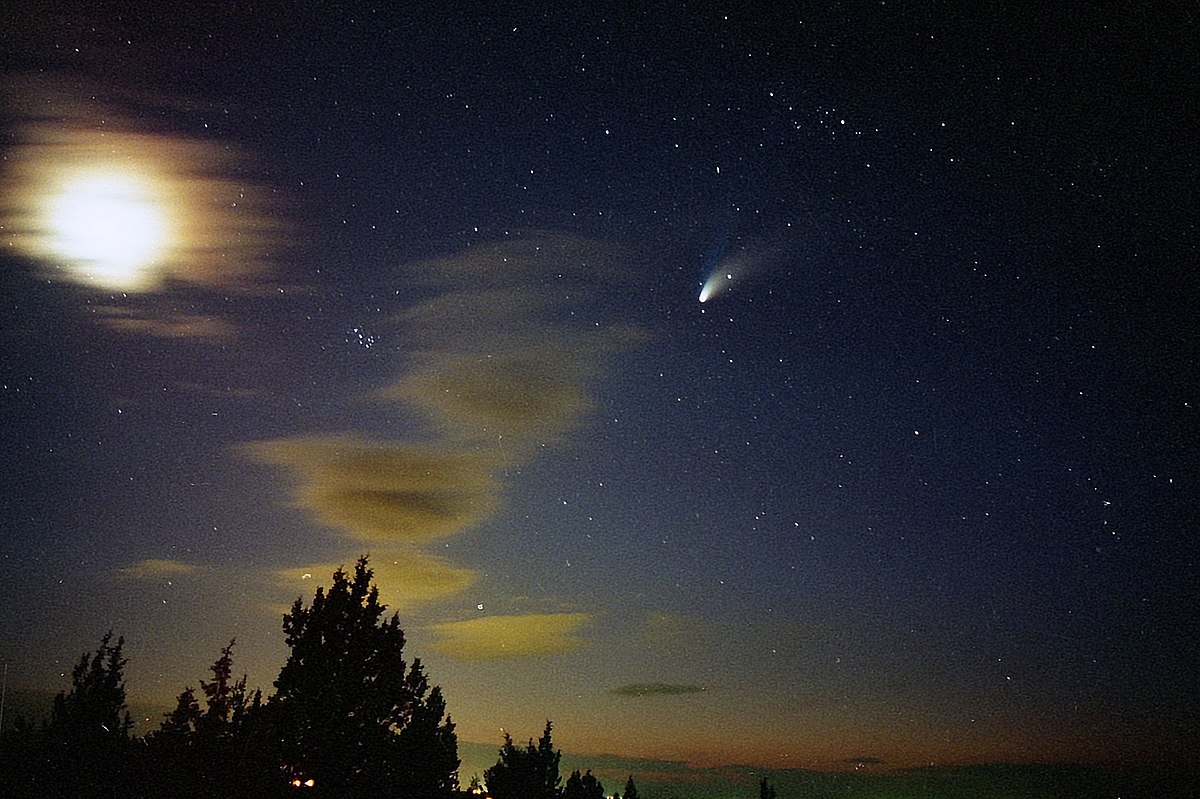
(156, 569)
(500, 344)
(172, 324)
(222, 229)
(509, 359)
(500, 369)
(385, 491)
(502, 637)
(404, 578)
(526, 397)
(558, 264)
(657, 689)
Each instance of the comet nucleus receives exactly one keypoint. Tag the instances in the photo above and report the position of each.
(715, 284)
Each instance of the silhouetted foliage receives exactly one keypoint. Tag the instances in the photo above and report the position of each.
(765, 790)
(525, 773)
(220, 695)
(209, 753)
(583, 787)
(94, 709)
(350, 714)
(630, 789)
(83, 750)
(180, 725)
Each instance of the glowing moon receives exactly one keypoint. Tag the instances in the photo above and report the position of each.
(122, 211)
(108, 226)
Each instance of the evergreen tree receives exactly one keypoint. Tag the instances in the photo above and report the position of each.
(525, 773)
(94, 710)
(180, 724)
(84, 749)
(177, 731)
(630, 789)
(220, 693)
(583, 787)
(205, 754)
(349, 713)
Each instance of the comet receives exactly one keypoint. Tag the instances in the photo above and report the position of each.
(741, 260)
(716, 283)
(741, 263)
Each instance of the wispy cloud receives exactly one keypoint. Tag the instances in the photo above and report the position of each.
(405, 578)
(527, 396)
(657, 689)
(156, 569)
(509, 359)
(385, 491)
(499, 370)
(168, 324)
(501, 637)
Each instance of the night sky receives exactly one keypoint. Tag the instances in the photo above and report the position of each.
(915, 483)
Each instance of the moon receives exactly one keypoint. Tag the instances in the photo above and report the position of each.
(123, 210)
(108, 226)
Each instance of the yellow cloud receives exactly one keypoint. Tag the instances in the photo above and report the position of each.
(383, 492)
(501, 637)
(526, 397)
(507, 360)
(156, 569)
(404, 578)
(500, 342)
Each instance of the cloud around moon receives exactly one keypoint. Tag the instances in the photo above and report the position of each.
(99, 194)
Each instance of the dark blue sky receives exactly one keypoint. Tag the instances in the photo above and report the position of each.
(919, 485)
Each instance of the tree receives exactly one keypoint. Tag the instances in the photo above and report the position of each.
(206, 754)
(220, 695)
(351, 715)
(528, 773)
(94, 710)
(84, 749)
(765, 791)
(583, 787)
(178, 728)
(630, 789)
